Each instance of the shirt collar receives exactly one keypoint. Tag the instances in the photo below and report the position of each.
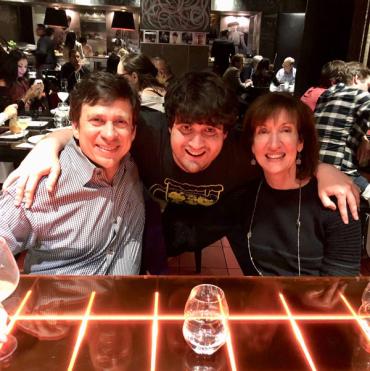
(86, 171)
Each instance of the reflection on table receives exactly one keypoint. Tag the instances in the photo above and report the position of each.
(135, 323)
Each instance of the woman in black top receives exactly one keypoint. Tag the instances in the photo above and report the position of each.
(283, 229)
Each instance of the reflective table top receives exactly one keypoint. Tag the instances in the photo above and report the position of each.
(135, 323)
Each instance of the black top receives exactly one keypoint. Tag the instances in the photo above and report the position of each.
(191, 198)
(68, 72)
(327, 245)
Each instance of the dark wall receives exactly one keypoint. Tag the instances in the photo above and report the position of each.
(327, 32)
(182, 58)
(289, 36)
(26, 24)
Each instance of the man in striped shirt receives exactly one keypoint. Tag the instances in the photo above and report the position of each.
(93, 222)
(343, 118)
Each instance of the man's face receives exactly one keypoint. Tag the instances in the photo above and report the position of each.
(363, 84)
(75, 59)
(39, 31)
(287, 67)
(195, 146)
(105, 133)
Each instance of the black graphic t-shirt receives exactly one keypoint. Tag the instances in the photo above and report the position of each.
(189, 197)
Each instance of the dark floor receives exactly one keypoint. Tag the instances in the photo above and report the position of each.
(217, 259)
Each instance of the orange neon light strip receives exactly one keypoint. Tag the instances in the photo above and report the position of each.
(359, 319)
(229, 344)
(154, 332)
(81, 332)
(180, 317)
(298, 333)
(16, 315)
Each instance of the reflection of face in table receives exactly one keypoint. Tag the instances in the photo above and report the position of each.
(116, 338)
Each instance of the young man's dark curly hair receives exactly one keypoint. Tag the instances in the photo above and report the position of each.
(201, 97)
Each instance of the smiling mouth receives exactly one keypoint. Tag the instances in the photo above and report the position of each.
(275, 156)
(192, 154)
(107, 148)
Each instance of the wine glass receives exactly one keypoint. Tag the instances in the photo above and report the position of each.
(63, 93)
(9, 278)
(205, 313)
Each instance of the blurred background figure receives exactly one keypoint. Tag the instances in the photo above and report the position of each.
(122, 53)
(16, 86)
(141, 73)
(164, 75)
(72, 43)
(222, 50)
(44, 54)
(331, 73)
(74, 70)
(285, 76)
(248, 71)
(86, 48)
(263, 76)
(112, 63)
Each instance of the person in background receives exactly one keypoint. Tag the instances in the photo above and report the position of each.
(286, 75)
(263, 76)
(122, 53)
(44, 54)
(16, 84)
(142, 75)
(9, 112)
(74, 70)
(164, 75)
(222, 50)
(189, 160)
(247, 71)
(86, 48)
(231, 76)
(112, 63)
(331, 74)
(283, 228)
(93, 223)
(342, 117)
(71, 43)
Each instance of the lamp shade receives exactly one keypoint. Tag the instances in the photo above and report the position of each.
(55, 17)
(123, 21)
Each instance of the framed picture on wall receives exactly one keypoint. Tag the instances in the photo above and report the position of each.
(199, 38)
(175, 37)
(187, 38)
(150, 37)
(164, 37)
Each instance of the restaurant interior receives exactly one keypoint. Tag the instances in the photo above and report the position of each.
(201, 311)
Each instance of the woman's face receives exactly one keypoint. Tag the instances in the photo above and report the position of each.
(22, 67)
(275, 145)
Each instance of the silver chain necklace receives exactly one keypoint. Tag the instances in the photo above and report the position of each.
(298, 223)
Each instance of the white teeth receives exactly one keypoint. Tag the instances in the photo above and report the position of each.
(108, 148)
(275, 156)
(195, 154)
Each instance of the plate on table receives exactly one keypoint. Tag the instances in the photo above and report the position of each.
(38, 124)
(35, 138)
(8, 135)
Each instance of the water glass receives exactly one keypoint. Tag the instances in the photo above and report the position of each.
(206, 312)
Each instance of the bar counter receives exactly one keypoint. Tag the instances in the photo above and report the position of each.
(135, 323)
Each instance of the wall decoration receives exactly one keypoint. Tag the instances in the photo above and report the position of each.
(164, 37)
(175, 37)
(150, 37)
(185, 15)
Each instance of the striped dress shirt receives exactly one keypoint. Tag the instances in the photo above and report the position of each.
(86, 226)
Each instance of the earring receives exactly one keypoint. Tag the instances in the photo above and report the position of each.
(298, 160)
(253, 161)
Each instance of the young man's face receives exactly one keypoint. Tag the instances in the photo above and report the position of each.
(195, 146)
(105, 133)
